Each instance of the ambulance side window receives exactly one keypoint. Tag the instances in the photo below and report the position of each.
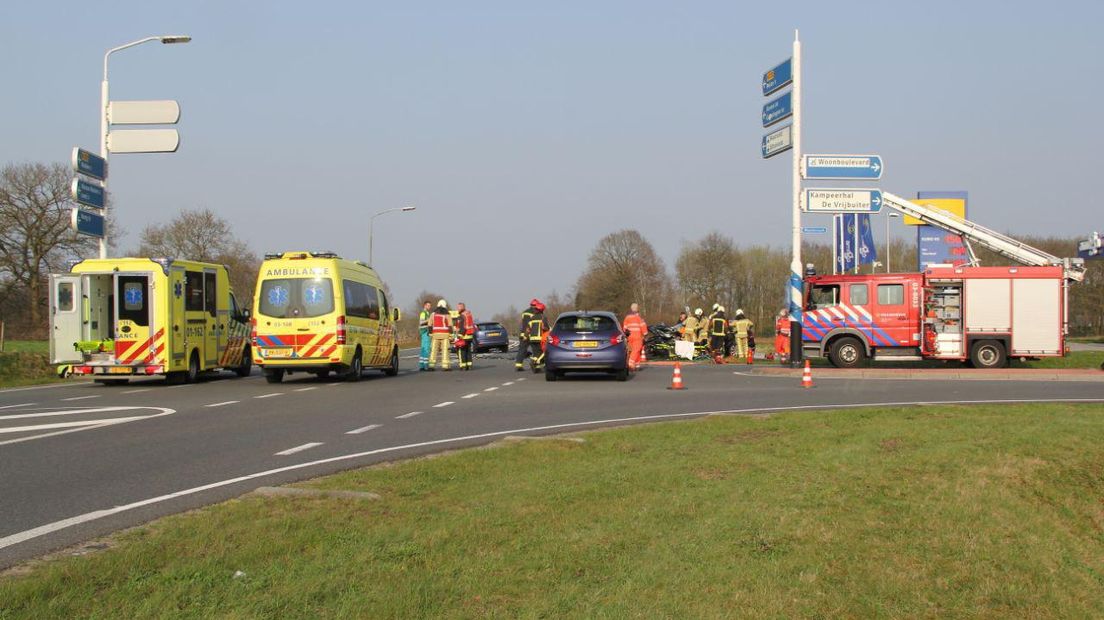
(65, 297)
(383, 304)
(135, 293)
(210, 293)
(360, 300)
(193, 291)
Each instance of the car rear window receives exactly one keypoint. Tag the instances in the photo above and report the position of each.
(289, 298)
(490, 327)
(585, 324)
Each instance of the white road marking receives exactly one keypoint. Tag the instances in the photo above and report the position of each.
(306, 446)
(46, 427)
(136, 391)
(270, 395)
(223, 404)
(409, 357)
(472, 395)
(69, 411)
(491, 389)
(521, 379)
(333, 384)
(177, 387)
(81, 397)
(363, 429)
(408, 415)
(307, 389)
(49, 528)
(445, 404)
(507, 384)
(19, 405)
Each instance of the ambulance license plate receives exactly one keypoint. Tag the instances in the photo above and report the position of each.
(120, 370)
(281, 352)
(586, 344)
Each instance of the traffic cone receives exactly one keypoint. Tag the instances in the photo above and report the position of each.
(750, 357)
(807, 377)
(676, 378)
(643, 354)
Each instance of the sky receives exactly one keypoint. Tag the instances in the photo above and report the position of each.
(524, 132)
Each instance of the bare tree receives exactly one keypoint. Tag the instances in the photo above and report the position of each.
(36, 237)
(624, 268)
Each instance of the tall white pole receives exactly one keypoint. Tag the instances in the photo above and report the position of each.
(797, 285)
(855, 241)
(887, 241)
(103, 153)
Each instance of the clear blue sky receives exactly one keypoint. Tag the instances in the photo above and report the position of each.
(524, 132)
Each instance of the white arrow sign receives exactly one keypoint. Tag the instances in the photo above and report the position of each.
(143, 112)
(143, 141)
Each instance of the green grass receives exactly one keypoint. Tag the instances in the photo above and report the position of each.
(25, 368)
(1087, 339)
(921, 512)
(27, 346)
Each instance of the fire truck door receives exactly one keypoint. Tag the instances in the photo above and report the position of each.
(891, 317)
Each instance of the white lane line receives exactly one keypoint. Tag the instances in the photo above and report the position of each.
(82, 397)
(136, 391)
(408, 415)
(491, 389)
(521, 379)
(307, 389)
(162, 411)
(19, 405)
(270, 395)
(177, 387)
(363, 429)
(46, 427)
(72, 411)
(507, 384)
(445, 404)
(306, 446)
(49, 528)
(223, 404)
(472, 395)
(409, 357)
(333, 384)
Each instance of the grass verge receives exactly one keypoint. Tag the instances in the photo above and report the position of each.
(934, 511)
(25, 367)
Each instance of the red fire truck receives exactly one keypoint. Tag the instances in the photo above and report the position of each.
(984, 315)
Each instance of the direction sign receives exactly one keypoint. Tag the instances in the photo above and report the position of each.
(778, 141)
(813, 230)
(89, 164)
(88, 194)
(143, 141)
(143, 112)
(857, 167)
(88, 223)
(1092, 248)
(778, 78)
(777, 110)
(841, 200)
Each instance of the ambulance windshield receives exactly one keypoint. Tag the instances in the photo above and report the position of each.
(290, 298)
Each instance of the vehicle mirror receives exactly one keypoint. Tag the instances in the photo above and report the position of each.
(395, 314)
(246, 314)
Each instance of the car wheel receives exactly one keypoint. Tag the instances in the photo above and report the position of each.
(246, 365)
(551, 375)
(393, 368)
(846, 352)
(623, 374)
(988, 354)
(274, 376)
(356, 368)
(193, 368)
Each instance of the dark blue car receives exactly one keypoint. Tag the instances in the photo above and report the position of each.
(490, 336)
(586, 342)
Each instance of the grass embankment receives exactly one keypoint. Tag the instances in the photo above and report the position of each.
(26, 362)
(935, 511)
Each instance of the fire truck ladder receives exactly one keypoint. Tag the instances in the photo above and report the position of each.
(1004, 245)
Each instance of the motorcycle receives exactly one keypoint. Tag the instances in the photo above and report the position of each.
(660, 343)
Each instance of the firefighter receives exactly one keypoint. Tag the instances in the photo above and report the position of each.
(636, 329)
(718, 329)
(741, 327)
(782, 336)
(535, 333)
(424, 335)
(465, 331)
(440, 327)
(523, 339)
(691, 329)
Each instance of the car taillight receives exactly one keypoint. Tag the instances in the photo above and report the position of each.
(617, 339)
(253, 331)
(341, 329)
(553, 340)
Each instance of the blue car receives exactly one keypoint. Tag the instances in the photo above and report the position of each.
(490, 336)
(586, 342)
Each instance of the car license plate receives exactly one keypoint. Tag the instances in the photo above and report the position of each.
(120, 370)
(586, 344)
(281, 352)
(494, 333)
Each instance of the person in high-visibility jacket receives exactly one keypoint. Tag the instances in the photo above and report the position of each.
(741, 326)
(782, 336)
(636, 329)
(691, 329)
(523, 338)
(535, 332)
(440, 327)
(718, 330)
(424, 335)
(465, 329)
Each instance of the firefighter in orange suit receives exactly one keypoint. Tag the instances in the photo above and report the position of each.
(782, 336)
(465, 329)
(440, 329)
(636, 329)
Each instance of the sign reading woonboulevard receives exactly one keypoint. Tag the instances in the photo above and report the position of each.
(841, 200)
(852, 167)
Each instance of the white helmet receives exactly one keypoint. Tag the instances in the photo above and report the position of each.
(720, 309)
(441, 303)
(697, 311)
(716, 307)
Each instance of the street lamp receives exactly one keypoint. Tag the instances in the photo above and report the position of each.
(889, 214)
(370, 222)
(167, 40)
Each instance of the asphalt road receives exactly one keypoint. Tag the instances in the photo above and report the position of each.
(80, 460)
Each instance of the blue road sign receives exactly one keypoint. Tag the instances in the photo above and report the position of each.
(778, 78)
(813, 230)
(777, 141)
(841, 200)
(88, 223)
(89, 164)
(87, 194)
(856, 167)
(777, 109)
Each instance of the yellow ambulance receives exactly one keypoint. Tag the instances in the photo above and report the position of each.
(317, 312)
(117, 318)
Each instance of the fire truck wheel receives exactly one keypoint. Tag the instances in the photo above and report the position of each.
(246, 365)
(193, 368)
(988, 354)
(846, 352)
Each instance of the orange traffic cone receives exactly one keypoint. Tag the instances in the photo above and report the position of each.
(807, 377)
(750, 357)
(676, 378)
(643, 354)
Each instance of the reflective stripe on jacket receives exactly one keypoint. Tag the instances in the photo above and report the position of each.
(423, 321)
(718, 325)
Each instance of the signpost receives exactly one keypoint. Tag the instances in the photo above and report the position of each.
(813, 230)
(89, 164)
(87, 194)
(778, 141)
(841, 200)
(778, 110)
(165, 112)
(88, 223)
(143, 141)
(843, 167)
(778, 78)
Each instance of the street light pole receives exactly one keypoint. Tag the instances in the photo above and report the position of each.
(889, 215)
(105, 100)
(372, 220)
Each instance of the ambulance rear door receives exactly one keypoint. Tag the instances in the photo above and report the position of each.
(133, 318)
(66, 318)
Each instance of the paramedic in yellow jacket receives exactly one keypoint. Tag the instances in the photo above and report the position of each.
(741, 326)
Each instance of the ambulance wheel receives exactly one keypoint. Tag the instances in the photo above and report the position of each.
(393, 368)
(246, 365)
(274, 376)
(355, 368)
(988, 354)
(193, 368)
(846, 352)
